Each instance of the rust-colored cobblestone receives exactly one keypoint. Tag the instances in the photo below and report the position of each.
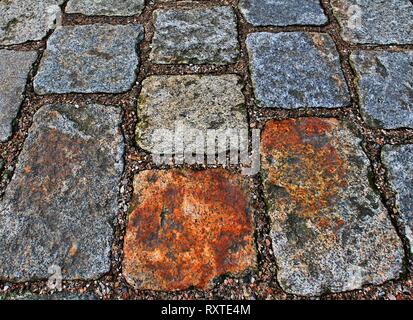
(330, 230)
(186, 228)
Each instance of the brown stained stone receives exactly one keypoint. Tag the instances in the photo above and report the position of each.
(330, 230)
(186, 228)
(58, 209)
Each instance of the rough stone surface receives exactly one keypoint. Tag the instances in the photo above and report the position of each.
(398, 161)
(199, 227)
(60, 204)
(296, 70)
(385, 87)
(375, 21)
(14, 69)
(330, 231)
(28, 20)
(196, 36)
(97, 58)
(106, 7)
(191, 102)
(61, 296)
(283, 13)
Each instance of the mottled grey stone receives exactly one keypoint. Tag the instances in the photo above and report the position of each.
(106, 7)
(385, 87)
(330, 231)
(296, 70)
(375, 21)
(59, 206)
(398, 161)
(14, 70)
(283, 13)
(60, 296)
(184, 103)
(196, 36)
(28, 20)
(97, 58)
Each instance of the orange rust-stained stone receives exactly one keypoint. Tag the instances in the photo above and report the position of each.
(186, 228)
(329, 228)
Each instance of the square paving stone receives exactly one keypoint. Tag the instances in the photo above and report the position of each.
(106, 7)
(296, 70)
(398, 161)
(375, 21)
(190, 102)
(28, 20)
(283, 13)
(385, 87)
(99, 58)
(196, 36)
(199, 227)
(59, 206)
(14, 70)
(329, 228)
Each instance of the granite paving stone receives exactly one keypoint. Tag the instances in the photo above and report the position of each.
(195, 36)
(296, 70)
(106, 7)
(59, 207)
(14, 70)
(60, 296)
(99, 58)
(189, 102)
(330, 230)
(375, 21)
(283, 13)
(399, 165)
(385, 87)
(28, 20)
(199, 227)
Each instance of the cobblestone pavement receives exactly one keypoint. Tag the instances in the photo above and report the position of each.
(85, 84)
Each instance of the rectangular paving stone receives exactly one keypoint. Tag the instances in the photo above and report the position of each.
(375, 21)
(296, 70)
(58, 208)
(283, 13)
(99, 58)
(199, 227)
(189, 102)
(28, 20)
(106, 7)
(195, 36)
(14, 70)
(399, 165)
(385, 87)
(329, 228)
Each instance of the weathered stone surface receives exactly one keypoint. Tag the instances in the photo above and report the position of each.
(385, 87)
(375, 21)
(199, 227)
(283, 13)
(90, 59)
(59, 206)
(296, 70)
(186, 103)
(398, 161)
(330, 231)
(106, 7)
(14, 70)
(61, 296)
(196, 36)
(28, 20)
